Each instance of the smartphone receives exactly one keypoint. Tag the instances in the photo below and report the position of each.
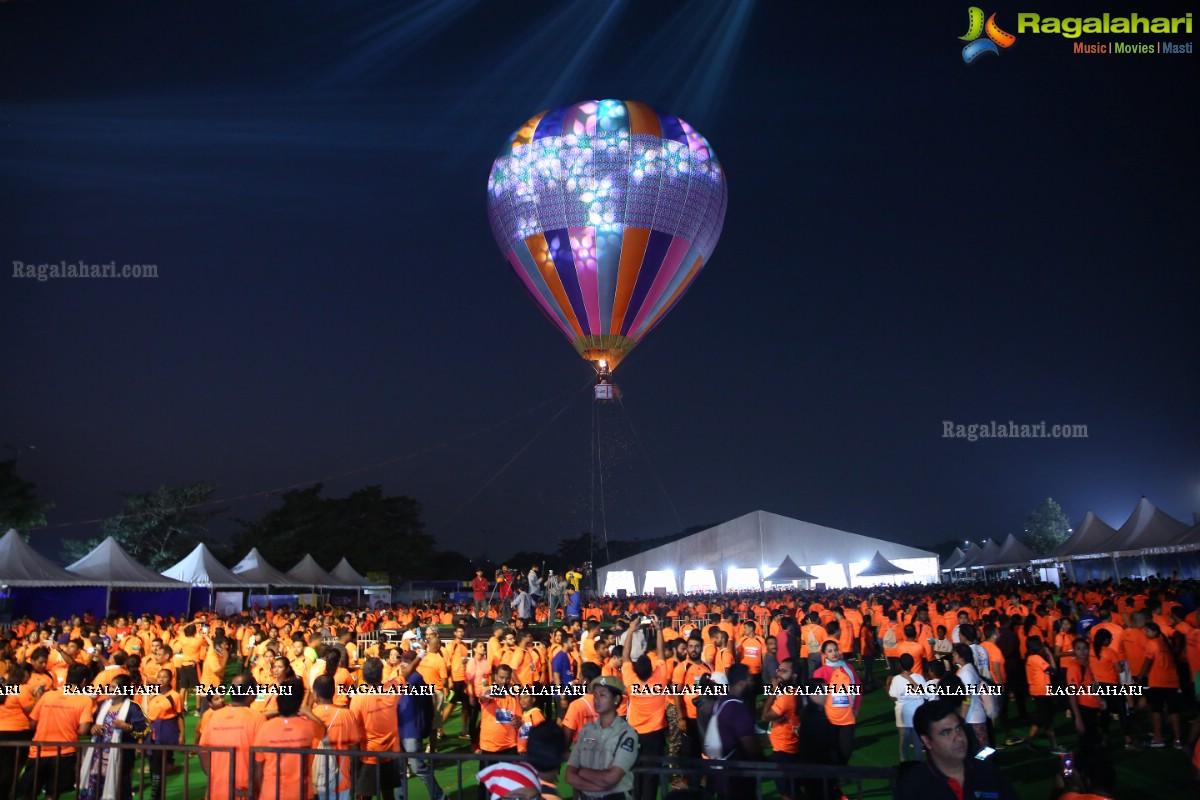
(1068, 764)
(983, 754)
(647, 620)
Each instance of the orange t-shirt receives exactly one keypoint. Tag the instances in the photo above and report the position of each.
(14, 713)
(213, 671)
(996, 663)
(839, 703)
(433, 669)
(1038, 675)
(230, 726)
(499, 723)
(1106, 667)
(752, 649)
(191, 649)
(1085, 679)
(685, 677)
(286, 776)
(917, 652)
(784, 738)
(58, 717)
(1134, 641)
(163, 706)
(533, 717)
(344, 730)
(580, 712)
(1163, 674)
(454, 653)
(647, 712)
(381, 728)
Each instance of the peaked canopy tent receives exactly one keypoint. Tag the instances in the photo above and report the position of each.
(34, 585)
(350, 577)
(1141, 543)
(757, 540)
(788, 572)
(954, 560)
(880, 567)
(254, 570)
(968, 556)
(1012, 553)
(201, 570)
(129, 584)
(1147, 543)
(982, 557)
(1185, 553)
(308, 572)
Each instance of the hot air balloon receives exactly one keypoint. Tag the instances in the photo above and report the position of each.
(606, 210)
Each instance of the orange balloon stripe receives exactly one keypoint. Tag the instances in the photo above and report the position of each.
(642, 119)
(1001, 38)
(540, 251)
(679, 290)
(525, 134)
(633, 250)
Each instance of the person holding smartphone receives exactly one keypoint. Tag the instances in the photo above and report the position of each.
(949, 771)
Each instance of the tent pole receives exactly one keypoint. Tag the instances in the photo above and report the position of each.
(1116, 569)
(107, 599)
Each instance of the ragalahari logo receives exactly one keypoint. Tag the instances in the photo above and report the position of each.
(976, 27)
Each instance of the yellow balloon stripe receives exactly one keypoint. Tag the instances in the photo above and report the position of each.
(974, 23)
(998, 36)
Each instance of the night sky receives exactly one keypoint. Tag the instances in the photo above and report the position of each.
(909, 239)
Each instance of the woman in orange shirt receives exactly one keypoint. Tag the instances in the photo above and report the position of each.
(1039, 669)
(1106, 666)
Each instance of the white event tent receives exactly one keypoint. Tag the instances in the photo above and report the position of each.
(740, 553)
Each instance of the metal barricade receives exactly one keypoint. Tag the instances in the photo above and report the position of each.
(38, 765)
(732, 779)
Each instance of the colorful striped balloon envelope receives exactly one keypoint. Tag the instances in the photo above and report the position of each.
(607, 210)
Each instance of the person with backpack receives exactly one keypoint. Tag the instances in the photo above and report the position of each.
(415, 715)
(730, 734)
(332, 777)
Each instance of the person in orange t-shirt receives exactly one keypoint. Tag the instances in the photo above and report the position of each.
(343, 728)
(782, 714)
(1038, 666)
(647, 710)
(14, 721)
(1161, 676)
(60, 717)
(381, 732)
(500, 715)
(234, 725)
(279, 776)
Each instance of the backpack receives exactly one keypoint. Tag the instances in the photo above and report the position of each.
(712, 734)
(889, 638)
(326, 772)
(813, 644)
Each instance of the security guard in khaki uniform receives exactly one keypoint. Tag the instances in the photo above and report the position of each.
(601, 763)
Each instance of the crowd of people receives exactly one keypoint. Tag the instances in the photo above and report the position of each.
(600, 684)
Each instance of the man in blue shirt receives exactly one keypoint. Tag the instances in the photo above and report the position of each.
(414, 712)
(574, 604)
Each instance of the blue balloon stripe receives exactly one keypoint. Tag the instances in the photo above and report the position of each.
(656, 251)
(551, 124)
(671, 129)
(564, 262)
(685, 268)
